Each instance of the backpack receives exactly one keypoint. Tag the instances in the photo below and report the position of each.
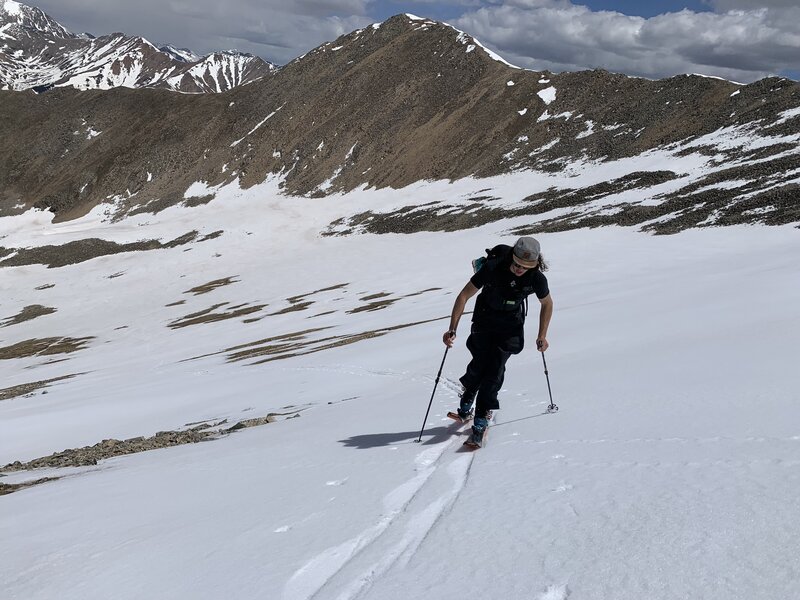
(495, 255)
(516, 303)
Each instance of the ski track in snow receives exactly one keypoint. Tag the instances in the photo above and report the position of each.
(347, 571)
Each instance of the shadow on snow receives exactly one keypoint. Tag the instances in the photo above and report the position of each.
(434, 435)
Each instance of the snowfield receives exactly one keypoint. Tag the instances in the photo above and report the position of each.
(671, 470)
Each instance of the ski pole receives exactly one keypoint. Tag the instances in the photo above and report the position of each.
(552, 408)
(438, 375)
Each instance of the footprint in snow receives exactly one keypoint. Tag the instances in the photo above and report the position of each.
(555, 592)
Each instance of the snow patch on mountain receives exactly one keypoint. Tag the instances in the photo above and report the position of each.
(784, 116)
(11, 8)
(258, 126)
(548, 95)
(588, 131)
(200, 189)
(471, 42)
(182, 54)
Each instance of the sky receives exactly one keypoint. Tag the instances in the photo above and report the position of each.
(740, 40)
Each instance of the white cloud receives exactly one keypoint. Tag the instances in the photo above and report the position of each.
(557, 35)
(725, 5)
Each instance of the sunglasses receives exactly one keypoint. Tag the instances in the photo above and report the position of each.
(516, 265)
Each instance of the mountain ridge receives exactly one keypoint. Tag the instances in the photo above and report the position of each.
(403, 101)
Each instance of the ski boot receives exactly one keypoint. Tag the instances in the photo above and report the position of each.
(464, 413)
(477, 438)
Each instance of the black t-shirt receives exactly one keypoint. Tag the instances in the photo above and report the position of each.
(502, 297)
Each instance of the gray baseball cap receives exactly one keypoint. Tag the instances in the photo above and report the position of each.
(526, 251)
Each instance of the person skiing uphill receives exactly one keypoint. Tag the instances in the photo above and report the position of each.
(505, 279)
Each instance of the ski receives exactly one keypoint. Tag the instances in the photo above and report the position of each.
(458, 418)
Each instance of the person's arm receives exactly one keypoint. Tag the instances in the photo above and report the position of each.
(458, 309)
(545, 313)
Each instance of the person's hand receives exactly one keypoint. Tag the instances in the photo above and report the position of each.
(448, 338)
(541, 344)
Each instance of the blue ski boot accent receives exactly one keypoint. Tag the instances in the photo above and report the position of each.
(476, 439)
(481, 423)
(467, 400)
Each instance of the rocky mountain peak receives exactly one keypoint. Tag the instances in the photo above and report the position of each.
(405, 33)
(36, 52)
(20, 20)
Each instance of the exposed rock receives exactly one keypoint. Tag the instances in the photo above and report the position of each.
(211, 315)
(9, 488)
(211, 286)
(28, 313)
(82, 250)
(44, 347)
(28, 388)
(90, 455)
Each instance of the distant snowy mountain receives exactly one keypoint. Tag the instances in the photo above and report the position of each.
(182, 54)
(219, 71)
(36, 52)
(20, 22)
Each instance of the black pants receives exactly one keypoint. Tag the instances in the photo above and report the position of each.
(490, 350)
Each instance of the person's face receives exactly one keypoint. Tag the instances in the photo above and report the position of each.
(517, 269)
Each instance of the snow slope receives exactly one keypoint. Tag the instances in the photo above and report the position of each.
(671, 470)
